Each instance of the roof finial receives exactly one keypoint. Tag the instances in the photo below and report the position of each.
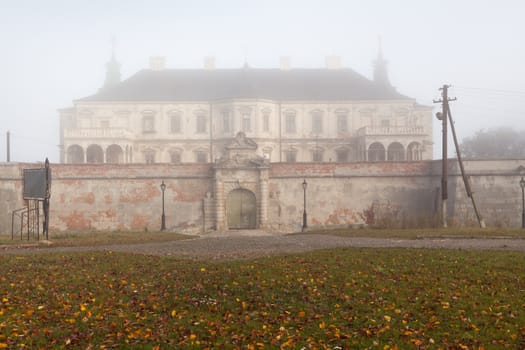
(245, 57)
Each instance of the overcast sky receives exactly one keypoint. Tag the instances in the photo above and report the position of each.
(55, 51)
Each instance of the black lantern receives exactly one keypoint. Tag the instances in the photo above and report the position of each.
(163, 217)
(304, 205)
(522, 185)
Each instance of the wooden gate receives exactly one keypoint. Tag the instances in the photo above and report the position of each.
(241, 209)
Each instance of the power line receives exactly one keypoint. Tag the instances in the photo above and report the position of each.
(491, 91)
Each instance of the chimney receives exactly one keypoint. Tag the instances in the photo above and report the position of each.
(284, 63)
(333, 62)
(157, 63)
(209, 62)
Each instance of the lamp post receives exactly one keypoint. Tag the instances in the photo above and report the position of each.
(163, 217)
(522, 185)
(304, 205)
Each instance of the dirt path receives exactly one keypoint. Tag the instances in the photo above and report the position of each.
(259, 244)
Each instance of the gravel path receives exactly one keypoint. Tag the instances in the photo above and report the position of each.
(258, 245)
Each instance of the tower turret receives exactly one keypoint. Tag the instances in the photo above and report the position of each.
(380, 68)
(112, 68)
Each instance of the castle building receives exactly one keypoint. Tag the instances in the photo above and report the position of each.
(161, 115)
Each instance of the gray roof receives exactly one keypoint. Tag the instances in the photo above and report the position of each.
(273, 84)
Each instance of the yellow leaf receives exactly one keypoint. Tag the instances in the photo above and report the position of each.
(387, 318)
(203, 269)
(3, 346)
(173, 313)
(322, 325)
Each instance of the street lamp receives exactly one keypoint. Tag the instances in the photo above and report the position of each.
(522, 185)
(304, 204)
(163, 217)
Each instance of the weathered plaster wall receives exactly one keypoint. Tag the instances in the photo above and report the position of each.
(351, 194)
(109, 197)
(128, 197)
(496, 190)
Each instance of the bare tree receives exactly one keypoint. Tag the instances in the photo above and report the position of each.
(495, 143)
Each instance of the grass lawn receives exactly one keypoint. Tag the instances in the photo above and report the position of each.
(332, 299)
(470, 232)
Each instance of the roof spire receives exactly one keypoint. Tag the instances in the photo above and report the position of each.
(112, 67)
(380, 67)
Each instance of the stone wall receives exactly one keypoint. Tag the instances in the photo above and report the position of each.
(128, 197)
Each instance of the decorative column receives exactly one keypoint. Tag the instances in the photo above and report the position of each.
(263, 198)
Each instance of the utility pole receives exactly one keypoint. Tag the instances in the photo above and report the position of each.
(444, 172)
(8, 137)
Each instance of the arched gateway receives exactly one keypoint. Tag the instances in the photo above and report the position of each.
(241, 186)
(241, 209)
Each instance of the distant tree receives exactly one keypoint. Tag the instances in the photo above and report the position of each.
(496, 143)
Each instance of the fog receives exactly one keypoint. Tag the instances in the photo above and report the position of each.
(55, 51)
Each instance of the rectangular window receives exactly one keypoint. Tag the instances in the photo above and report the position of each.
(385, 123)
(290, 124)
(342, 123)
(201, 157)
(266, 122)
(201, 124)
(104, 124)
(226, 122)
(317, 123)
(175, 126)
(149, 157)
(291, 156)
(246, 123)
(175, 157)
(148, 124)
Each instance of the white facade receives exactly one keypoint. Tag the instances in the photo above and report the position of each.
(286, 130)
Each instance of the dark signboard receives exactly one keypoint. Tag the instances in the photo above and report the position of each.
(35, 183)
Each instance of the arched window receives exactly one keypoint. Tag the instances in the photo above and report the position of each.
(376, 152)
(149, 156)
(75, 154)
(114, 154)
(414, 151)
(95, 154)
(396, 152)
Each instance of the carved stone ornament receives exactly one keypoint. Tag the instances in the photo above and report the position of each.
(241, 142)
(240, 152)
